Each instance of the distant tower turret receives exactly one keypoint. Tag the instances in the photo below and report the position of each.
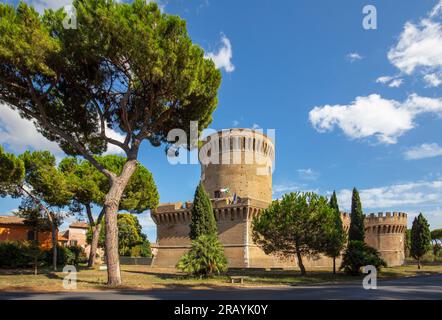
(386, 233)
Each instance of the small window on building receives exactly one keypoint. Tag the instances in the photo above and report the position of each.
(31, 235)
(217, 194)
(73, 243)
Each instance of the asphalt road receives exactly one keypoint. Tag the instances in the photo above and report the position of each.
(421, 287)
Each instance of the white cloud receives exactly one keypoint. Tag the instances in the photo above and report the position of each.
(353, 56)
(223, 57)
(433, 216)
(396, 83)
(384, 79)
(9, 213)
(147, 224)
(111, 148)
(436, 10)
(433, 79)
(20, 135)
(421, 193)
(279, 189)
(374, 116)
(419, 47)
(235, 123)
(392, 81)
(411, 197)
(308, 174)
(283, 188)
(41, 5)
(146, 220)
(425, 150)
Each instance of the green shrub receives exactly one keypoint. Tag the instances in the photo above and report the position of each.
(15, 254)
(23, 254)
(64, 256)
(205, 257)
(437, 250)
(79, 255)
(141, 250)
(357, 255)
(439, 254)
(428, 257)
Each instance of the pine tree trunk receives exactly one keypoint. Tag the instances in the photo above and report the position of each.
(94, 244)
(96, 229)
(418, 263)
(111, 242)
(54, 244)
(111, 205)
(36, 253)
(334, 265)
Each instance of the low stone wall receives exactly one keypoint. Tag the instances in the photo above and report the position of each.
(135, 261)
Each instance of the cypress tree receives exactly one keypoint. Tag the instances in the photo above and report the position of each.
(203, 218)
(356, 231)
(420, 238)
(334, 202)
(337, 238)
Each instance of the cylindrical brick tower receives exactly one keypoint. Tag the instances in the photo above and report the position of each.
(386, 233)
(238, 161)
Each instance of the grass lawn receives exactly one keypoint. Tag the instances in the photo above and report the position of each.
(144, 277)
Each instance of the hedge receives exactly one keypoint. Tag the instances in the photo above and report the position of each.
(22, 254)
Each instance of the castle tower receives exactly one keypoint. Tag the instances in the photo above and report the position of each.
(238, 161)
(233, 162)
(386, 233)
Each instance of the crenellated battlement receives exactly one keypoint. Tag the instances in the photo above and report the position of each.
(380, 223)
(239, 140)
(386, 218)
(181, 213)
(388, 222)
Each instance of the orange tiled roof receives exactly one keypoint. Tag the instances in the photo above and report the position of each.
(62, 238)
(13, 220)
(79, 224)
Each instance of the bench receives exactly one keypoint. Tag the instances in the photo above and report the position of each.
(239, 279)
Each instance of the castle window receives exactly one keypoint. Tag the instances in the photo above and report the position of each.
(217, 194)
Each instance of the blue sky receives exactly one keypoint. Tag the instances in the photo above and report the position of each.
(350, 106)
